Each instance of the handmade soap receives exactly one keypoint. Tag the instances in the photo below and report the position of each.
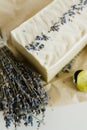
(51, 38)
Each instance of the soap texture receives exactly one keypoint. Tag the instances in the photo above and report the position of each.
(51, 38)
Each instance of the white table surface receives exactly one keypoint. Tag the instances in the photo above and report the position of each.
(70, 117)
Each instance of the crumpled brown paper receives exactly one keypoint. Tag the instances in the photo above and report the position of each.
(61, 89)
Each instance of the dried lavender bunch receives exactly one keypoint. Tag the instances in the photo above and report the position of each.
(22, 93)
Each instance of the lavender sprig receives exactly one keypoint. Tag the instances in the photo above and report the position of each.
(25, 95)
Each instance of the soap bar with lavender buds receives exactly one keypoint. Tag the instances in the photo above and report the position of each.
(51, 38)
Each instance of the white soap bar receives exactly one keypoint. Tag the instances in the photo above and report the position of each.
(51, 38)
